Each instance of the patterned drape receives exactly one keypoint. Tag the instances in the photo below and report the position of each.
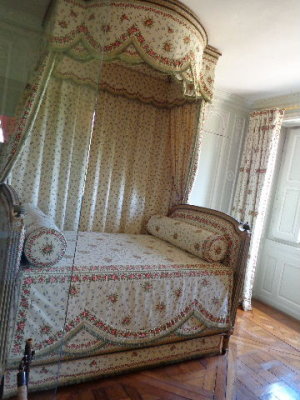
(254, 183)
(26, 113)
(185, 132)
(128, 177)
(165, 35)
(50, 171)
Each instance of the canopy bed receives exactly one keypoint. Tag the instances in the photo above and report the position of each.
(106, 137)
(133, 300)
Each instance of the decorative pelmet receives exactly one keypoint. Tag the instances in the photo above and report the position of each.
(165, 35)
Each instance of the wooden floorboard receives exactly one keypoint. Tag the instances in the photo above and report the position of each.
(263, 363)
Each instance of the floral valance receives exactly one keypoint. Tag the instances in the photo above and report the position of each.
(164, 34)
(139, 82)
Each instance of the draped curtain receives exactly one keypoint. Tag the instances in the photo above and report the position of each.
(254, 183)
(50, 171)
(185, 133)
(26, 113)
(128, 177)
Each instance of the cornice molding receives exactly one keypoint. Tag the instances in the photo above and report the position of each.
(230, 99)
(291, 102)
(278, 101)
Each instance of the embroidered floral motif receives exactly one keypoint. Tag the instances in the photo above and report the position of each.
(160, 307)
(91, 17)
(170, 30)
(147, 286)
(187, 39)
(73, 291)
(45, 329)
(215, 300)
(73, 14)
(167, 46)
(106, 28)
(47, 249)
(218, 249)
(113, 297)
(197, 246)
(178, 293)
(205, 282)
(126, 320)
(63, 24)
(124, 17)
(93, 363)
(175, 236)
(148, 22)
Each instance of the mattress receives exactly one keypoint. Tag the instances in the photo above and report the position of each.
(116, 292)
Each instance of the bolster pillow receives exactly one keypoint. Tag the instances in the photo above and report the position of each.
(44, 243)
(202, 243)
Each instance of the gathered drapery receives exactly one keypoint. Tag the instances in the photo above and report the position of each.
(50, 171)
(254, 183)
(185, 134)
(144, 143)
(26, 113)
(139, 158)
(128, 177)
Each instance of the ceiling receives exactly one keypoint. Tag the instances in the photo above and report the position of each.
(259, 40)
(260, 43)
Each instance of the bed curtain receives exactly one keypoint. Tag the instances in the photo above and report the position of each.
(126, 148)
(50, 170)
(114, 114)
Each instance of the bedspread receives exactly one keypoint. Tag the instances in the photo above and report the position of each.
(122, 291)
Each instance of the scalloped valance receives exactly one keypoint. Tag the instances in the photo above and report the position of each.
(164, 34)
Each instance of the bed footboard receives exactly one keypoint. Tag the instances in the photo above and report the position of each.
(237, 234)
(11, 241)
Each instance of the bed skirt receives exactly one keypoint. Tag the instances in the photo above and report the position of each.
(50, 376)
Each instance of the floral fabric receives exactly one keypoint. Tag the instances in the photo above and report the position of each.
(51, 167)
(218, 225)
(198, 241)
(185, 126)
(74, 371)
(254, 183)
(44, 244)
(128, 176)
(169, 39)
(127, 290)
(28, 108)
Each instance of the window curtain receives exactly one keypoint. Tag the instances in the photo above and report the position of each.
(254, 183)
(50, 170)
(128, 177)
(185, 125)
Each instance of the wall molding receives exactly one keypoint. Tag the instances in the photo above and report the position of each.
(290, 101)
(229, 99)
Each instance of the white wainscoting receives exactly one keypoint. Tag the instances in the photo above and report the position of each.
(278, 269)
(221, 147)
(278, 277)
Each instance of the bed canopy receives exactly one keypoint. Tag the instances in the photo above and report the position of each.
(108, 131)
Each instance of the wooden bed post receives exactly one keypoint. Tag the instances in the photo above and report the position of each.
(11, 241)
(239, 277)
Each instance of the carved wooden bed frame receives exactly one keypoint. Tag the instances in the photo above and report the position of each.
(11, 237)
(12, 241)
(243, 230)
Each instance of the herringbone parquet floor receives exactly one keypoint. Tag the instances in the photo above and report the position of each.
(263, 363)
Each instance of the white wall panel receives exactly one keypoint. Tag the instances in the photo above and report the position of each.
(221, 147)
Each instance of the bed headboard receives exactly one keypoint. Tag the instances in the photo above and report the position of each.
(11, 242)
(237, 234)
(216, 222)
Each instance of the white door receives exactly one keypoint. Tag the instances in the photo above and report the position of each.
(278, 271)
